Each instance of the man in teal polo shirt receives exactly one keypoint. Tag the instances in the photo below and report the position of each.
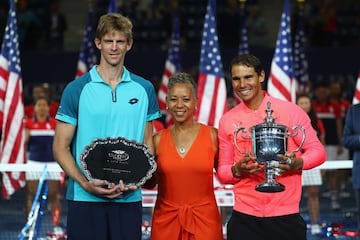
(107, 101)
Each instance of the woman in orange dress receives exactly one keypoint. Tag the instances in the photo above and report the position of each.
(186, 152)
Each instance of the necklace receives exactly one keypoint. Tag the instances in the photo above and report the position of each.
(182, 150)
(185, 138)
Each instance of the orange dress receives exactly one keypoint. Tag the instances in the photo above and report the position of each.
(186, 208)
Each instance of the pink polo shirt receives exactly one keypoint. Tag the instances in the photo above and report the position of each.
(247, 199)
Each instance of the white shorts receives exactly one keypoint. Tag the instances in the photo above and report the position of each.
(36, 175)
(311, 177)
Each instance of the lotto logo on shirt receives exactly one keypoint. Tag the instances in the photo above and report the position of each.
(133, 101)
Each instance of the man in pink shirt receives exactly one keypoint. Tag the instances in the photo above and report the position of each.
(263, 215)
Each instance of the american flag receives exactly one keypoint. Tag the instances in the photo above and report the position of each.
(300, 61)
(112, 6)
(356, 98)
(172, 65)
(11, 106)
(88, 57)
(211, 90)
(281, 82)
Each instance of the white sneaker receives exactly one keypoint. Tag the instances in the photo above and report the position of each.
(315, 229)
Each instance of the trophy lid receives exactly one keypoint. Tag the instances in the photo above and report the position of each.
(269, 120)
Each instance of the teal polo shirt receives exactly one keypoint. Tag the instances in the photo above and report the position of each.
(98, 111)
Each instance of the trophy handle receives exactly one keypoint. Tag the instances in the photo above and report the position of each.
(296, 127)
(243, 130)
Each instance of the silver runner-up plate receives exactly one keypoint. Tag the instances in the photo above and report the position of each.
(115, 159)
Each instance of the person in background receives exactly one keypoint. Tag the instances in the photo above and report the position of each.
(106, 102)
(312, 179)
(351, 140)
(336, 95)
(37, 91)
(263, 215)
(54, 104)
(330, 114)
(39, 136)
(336, 92)
(186, 154)
(40, 90)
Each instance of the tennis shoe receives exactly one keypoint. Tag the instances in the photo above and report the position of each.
(315, 229)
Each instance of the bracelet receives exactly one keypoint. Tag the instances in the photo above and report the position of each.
(235, 171)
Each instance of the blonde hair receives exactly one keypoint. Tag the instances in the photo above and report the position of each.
(114, 22)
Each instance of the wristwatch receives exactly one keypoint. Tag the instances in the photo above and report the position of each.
(235, 171)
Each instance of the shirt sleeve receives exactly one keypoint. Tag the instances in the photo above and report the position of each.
(313, 151)
(153, 111)
(69, 104)
(226, 156)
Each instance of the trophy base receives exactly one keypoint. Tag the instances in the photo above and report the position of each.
(270, 187)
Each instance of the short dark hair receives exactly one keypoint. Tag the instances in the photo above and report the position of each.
(248, 60)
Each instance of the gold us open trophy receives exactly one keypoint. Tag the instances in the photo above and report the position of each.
(268, 140)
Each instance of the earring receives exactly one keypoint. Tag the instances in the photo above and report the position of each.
(167, 108)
